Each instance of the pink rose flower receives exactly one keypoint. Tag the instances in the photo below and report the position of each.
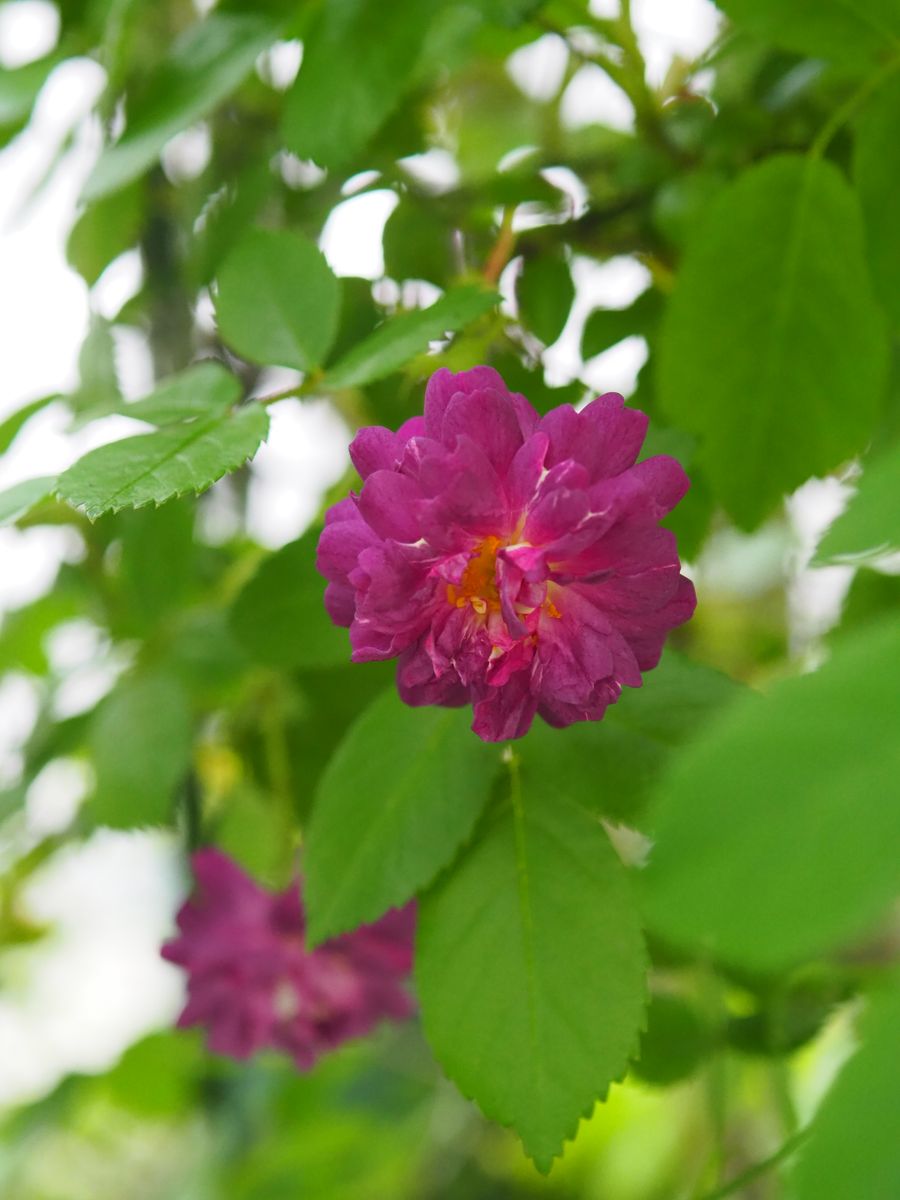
(253, 983)
(506, 559)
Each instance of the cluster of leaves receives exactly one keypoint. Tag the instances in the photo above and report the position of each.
(761, 205)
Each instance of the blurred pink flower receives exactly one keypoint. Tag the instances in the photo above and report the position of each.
(253, 984)
(506, 559)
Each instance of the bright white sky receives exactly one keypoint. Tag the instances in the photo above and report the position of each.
(97, 984)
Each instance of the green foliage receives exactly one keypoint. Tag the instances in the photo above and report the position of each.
(545, 293)
(19, 499)
(393, 344)
(771, 832)
(757, 189)
(400, 795)
(154, 467)
(279, 617)
(834, 29)
(773, 350)
(853, 1150)
(263, 309)
(359, 60)
(203, 66)
(140, 743)
(876, 166)
(530, 967)
(204, 390)
(872, 520)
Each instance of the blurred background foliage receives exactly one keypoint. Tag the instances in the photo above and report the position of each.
(753, 189)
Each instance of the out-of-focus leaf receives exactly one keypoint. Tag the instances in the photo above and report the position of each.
(154, 467)
(229, 214)
(855, 33)
(606, 327)
(23, 632)
(206, 389)
(19, 499)
(876, 168)
(9, 429)
(255, 833)
(417, 243)
(358, 62)
(773, 350)
(871, 524)
(400, 795)
(530, 967)
(675, 1042)
(853, 1149)
(18, 91)
(611, 766)
(157, 1077)
(98, 388)
(402, 337)
(106, 229)
(279, 617)
(157, 558)
(140, 740)
(545, 293)
(204, 66)
(776, 834)
(277, 300)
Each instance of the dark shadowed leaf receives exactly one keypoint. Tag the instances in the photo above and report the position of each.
(876, 169)
(545, 293)
(279, 617)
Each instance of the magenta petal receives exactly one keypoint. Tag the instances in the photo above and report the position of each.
(489, 418)
(389, 503)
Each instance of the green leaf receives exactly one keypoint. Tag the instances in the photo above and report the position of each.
(154, 467)
(140, 741)
(545, 293)
(20, 88)
(611, 766)
(402, 337)
(853, 1149)
(871, 523)
(606, 327)
(98, 389)
(417, 243)
(277, 300)
(204, 66)
(401, 794)
(358, 61)
(876, 168)
(530, 968)
(838, 29)
(675, 1042)
(106, 229)
(10, 427)
(773, 832)
(206, 389)
(773, 350)
(19, 499)
(279, 617)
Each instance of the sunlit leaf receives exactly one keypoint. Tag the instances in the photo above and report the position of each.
(154, 467)
(530, 968)
(400, 795)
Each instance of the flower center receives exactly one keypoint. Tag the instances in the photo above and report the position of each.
(478, 585)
